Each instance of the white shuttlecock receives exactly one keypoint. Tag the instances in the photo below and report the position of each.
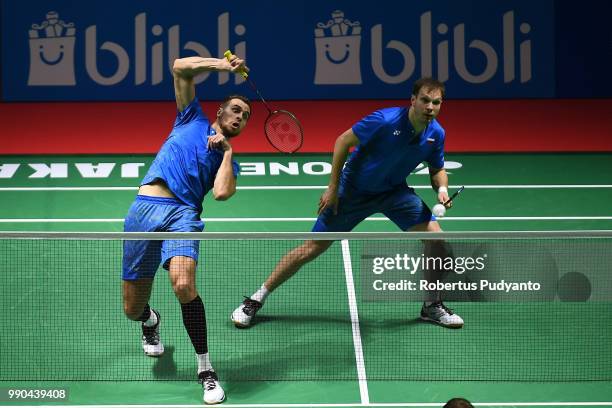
(439, 210)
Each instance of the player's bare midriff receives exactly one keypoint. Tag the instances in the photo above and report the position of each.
(156, 188)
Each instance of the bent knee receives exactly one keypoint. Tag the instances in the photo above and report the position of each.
(312, 249)
(184, 290)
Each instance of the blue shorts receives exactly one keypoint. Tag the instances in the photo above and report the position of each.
(158, 214)
(401, 205)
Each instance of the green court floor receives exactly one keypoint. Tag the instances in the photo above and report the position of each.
(280, 193)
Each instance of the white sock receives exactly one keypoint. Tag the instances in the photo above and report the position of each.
(152, 321)
(261, 294)
(204, 363)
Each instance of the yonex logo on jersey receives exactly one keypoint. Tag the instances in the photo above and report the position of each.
(52, 52)
(430, 140)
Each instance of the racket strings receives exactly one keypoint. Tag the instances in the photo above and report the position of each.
(284, 131)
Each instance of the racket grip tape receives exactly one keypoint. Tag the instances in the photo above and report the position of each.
(228, 55)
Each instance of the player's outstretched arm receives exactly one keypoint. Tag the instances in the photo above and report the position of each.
(439, 178)
(185, 70)
(341, 150)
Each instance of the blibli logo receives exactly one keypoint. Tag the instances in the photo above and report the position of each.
(338, 45)
(338, 59)
(52, 52)
(157, 65)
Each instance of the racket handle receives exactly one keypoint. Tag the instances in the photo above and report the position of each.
(228, 54)
(454, 195)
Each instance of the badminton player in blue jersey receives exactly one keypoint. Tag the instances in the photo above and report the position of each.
(195, 158)
(389, 145)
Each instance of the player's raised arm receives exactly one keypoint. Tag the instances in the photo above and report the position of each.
(185, 70)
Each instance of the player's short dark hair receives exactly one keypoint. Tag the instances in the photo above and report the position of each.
(244, 99)
(458, 403)
(428, 83)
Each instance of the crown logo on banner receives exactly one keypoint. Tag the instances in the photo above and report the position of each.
(52, 27)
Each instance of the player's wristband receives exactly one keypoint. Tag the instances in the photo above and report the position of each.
(442, 189)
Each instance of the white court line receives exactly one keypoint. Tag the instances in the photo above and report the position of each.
(298, 219)
(348, 405)
(475, 186)
(425, 187)
(352, 300)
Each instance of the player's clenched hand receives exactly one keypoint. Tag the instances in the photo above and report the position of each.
(218, 142)
(329, 199)
(443, 198)
(238, 64)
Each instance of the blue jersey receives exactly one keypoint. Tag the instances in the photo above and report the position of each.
(389, 151)
(184, 162)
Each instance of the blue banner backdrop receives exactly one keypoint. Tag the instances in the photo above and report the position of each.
(315, 49)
